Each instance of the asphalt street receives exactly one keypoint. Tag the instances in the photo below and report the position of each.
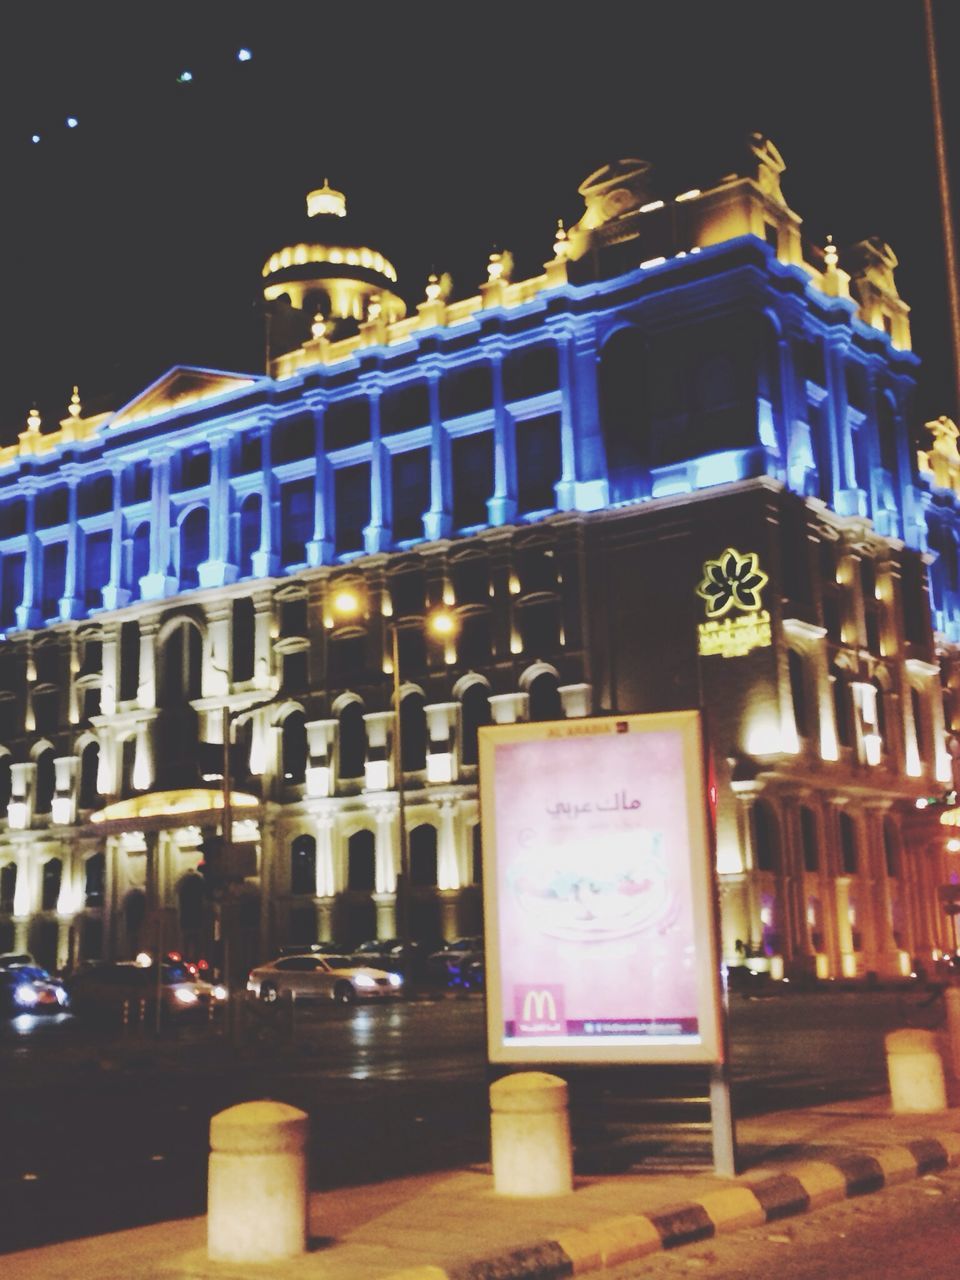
(102, 1130)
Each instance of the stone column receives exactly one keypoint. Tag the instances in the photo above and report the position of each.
(115, 595)
(28, 615)
(388, 850)
(147, 682)
(377, 536)
(502, 507)
(320, 547)
(70, 605)
(159, 582)
(448, 870)
(266, 559)
(216, 571)
(326, 886)
(438, 521)
(567, 486)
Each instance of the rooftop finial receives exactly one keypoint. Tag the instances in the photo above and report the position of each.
(74, 409)
(33, 420)
(433, 287)
(561, 244)
(325, 200)
(318, 328)
(500, 266)
(830, 255)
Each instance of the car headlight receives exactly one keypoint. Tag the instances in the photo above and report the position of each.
(185, 995)
(25, 996)
(219, 993)
(395, 980)
(364, 980)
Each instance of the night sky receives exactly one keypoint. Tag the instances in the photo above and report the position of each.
(135, 240)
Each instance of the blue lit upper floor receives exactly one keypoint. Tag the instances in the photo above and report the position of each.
(669, 346)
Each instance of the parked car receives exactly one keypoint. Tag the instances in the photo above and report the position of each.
(28, 988)
(456, 969)
(102, 988)
(314, 977)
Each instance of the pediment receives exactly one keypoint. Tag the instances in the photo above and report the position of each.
(179, 388)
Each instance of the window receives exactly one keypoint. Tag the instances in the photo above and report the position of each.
(346, 658)
(625, 413)
(54, 578)
(404, 408)
(353, 741)
(136, 483)
(51, 876)
(848, 845)
(129, 661)
(539, 464)
(361, 862)
(89, 792)
(475, 642)
(766, 837)
(52, 508)
(294, 439)
(413, 733)
(96, 568)
(249, 454)
(410, 487)
(423, 857)
(544, 695)
(891, 847)
(477, 850)
(920, 725)
(46, 710)
(471, 579)
(293, 748)
(13, 518)
(296, 521)
(408, 593)
(347, 423)
(468, 389)
(6, 784)
(194, 467)
(249, 534)
(842, 710)
(472, 479)
(798, 690)
(303, 865)
(293, 617)
(8, 887)
(294, 677)
(351, 488)
(537, 569)
(139, 558)
(194, 545)
(191, 892)
(531, 371)
(243, 639)
(95, 496)
(46, 781)
(539, 626)
(809, 840)
(181, 656)
(12, 589)
(474, 712)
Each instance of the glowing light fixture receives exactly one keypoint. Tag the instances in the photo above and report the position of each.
(72, 122)
(184, 77)
(688, 195)
(244, 55)
(649, 208)
(35, 137)
(346, 604)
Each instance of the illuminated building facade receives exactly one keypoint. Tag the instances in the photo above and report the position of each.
(672, 468)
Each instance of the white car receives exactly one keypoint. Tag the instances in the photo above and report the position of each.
(315, 977)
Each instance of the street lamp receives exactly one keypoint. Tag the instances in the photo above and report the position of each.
(443, 624)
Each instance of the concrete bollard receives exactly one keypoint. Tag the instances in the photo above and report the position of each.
(915, 1071)
(257, 1185)
(952, 1000)
(530, 1135)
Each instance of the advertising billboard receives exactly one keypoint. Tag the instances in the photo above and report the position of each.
(599, 891)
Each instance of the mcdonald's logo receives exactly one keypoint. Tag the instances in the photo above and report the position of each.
(539, 1004)
(538, 1010)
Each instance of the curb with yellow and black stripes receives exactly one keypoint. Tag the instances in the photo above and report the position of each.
(808, 1185)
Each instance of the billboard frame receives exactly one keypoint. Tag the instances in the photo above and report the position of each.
(709, 1046)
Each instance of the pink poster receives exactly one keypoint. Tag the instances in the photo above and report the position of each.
(597, 934)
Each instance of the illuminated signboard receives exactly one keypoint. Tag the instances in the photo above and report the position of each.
(735, 622)
(599, 891)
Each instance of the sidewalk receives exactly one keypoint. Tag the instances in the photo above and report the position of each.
(452, 1225)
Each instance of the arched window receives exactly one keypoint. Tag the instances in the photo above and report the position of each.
(181, 659)
(8, 887)
(139, 558)
(128, 761)
(303, 865)
(920, 725)
(891, 847)
(50, 879)
(766, 837)
(624, 413)
(242, 654)
(361, 862)
(194, 545)
(89, 794)
(849, 859)
(423, 857)
(46, 781)
(352, 741)
(809, 840)
(94, 880)
(474, 712)
(190, 894)
(544, 692)
(413, 733)
(477, 848)
(841, 709)
(798, 690)
(249, 534)
(6, 783)
(293, 747)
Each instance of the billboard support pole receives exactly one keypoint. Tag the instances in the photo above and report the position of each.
(722, 1124)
